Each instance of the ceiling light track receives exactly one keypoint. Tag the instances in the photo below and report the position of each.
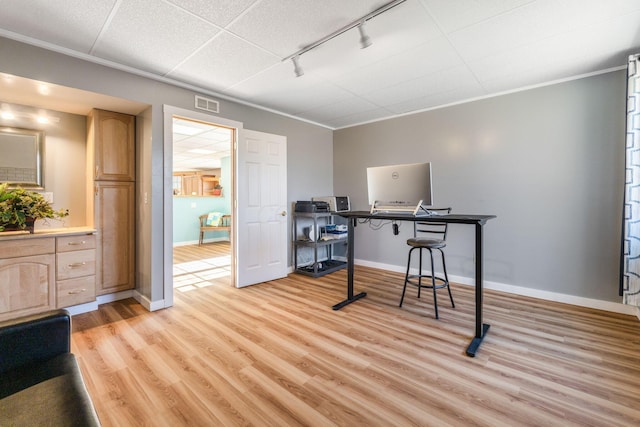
(365, 40)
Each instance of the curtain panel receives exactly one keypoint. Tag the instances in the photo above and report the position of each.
(630, 263)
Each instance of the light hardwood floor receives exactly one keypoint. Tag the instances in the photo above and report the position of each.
(276, 354)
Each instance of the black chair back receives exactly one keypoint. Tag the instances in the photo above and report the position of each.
(435, 229)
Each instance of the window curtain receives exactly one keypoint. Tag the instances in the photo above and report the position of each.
(630, 263)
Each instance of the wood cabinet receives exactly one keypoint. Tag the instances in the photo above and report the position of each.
(210, 184)
(113, 145)
(39, 273)
(27, 284)
(111, 158)
(197, 184)
(191, 185)
(115, 247)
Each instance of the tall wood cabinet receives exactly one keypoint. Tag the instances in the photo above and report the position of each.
(114, 145)
(111, 163)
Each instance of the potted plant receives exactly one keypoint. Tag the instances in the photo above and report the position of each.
(217, 190)
(20, 208)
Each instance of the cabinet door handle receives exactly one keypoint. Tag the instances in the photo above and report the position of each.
(76, 264)
(77, 291)
(76, 243)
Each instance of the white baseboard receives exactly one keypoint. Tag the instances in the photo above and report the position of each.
(116, 296)
(101, 299)
(147, 303)
(82, 308)
(528, 292)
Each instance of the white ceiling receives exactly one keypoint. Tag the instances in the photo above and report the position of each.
(199, 146)
(425, 53)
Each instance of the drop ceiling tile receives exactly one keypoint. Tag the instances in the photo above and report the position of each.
(223, 62)
(305, 99)
(152, 36)
(81, 20)
(279, 77)
(278, 88)
(349, 106)
(284, 27)
(462, 93)
(219, 12)
(362, 117)
(454, 15)
(217, 134)
(441, 81)
(424, 59)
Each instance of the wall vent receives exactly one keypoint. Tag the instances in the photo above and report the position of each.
(207, 104)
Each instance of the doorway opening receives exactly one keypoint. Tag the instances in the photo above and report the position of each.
(202, 189)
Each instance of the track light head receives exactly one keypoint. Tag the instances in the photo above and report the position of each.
(296, 66)
(365, 40)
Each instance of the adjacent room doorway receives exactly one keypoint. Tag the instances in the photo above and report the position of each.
(202, 204)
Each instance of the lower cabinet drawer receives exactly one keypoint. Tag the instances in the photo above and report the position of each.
(76, 291)
(75, 264)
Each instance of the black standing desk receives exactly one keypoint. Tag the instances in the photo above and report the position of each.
(477, 220)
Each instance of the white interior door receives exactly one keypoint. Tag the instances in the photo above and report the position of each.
(261, 207)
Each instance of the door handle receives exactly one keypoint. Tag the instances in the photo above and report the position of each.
(283, 213)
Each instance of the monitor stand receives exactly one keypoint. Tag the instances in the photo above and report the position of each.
(400, 208)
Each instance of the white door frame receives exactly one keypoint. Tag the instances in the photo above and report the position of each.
(169, 112)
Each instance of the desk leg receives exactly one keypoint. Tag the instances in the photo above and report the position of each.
(481, 328)
(350, 267)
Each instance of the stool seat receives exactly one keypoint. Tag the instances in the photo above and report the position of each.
(425, 242)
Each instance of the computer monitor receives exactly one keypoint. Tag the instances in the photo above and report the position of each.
(400, 188)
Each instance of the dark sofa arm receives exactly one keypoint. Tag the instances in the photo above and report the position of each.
(34, 338)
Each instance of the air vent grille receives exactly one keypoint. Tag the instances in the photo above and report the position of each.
(207, 104)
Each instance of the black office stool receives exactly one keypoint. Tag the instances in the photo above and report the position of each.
(430, 236)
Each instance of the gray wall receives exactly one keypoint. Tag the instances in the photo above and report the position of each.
(305, 177)
(549, 162)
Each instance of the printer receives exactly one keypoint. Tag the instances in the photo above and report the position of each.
(336, 203)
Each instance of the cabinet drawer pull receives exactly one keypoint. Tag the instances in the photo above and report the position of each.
(76, 243)
(77, 291)
(76, 264)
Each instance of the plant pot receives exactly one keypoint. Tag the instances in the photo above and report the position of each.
(29, 226)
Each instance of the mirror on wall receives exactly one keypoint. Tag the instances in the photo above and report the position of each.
(21, 157)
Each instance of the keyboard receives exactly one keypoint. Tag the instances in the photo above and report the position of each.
(419, 214)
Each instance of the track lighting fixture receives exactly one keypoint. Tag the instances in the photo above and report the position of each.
(296, 66)
(365, 40)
